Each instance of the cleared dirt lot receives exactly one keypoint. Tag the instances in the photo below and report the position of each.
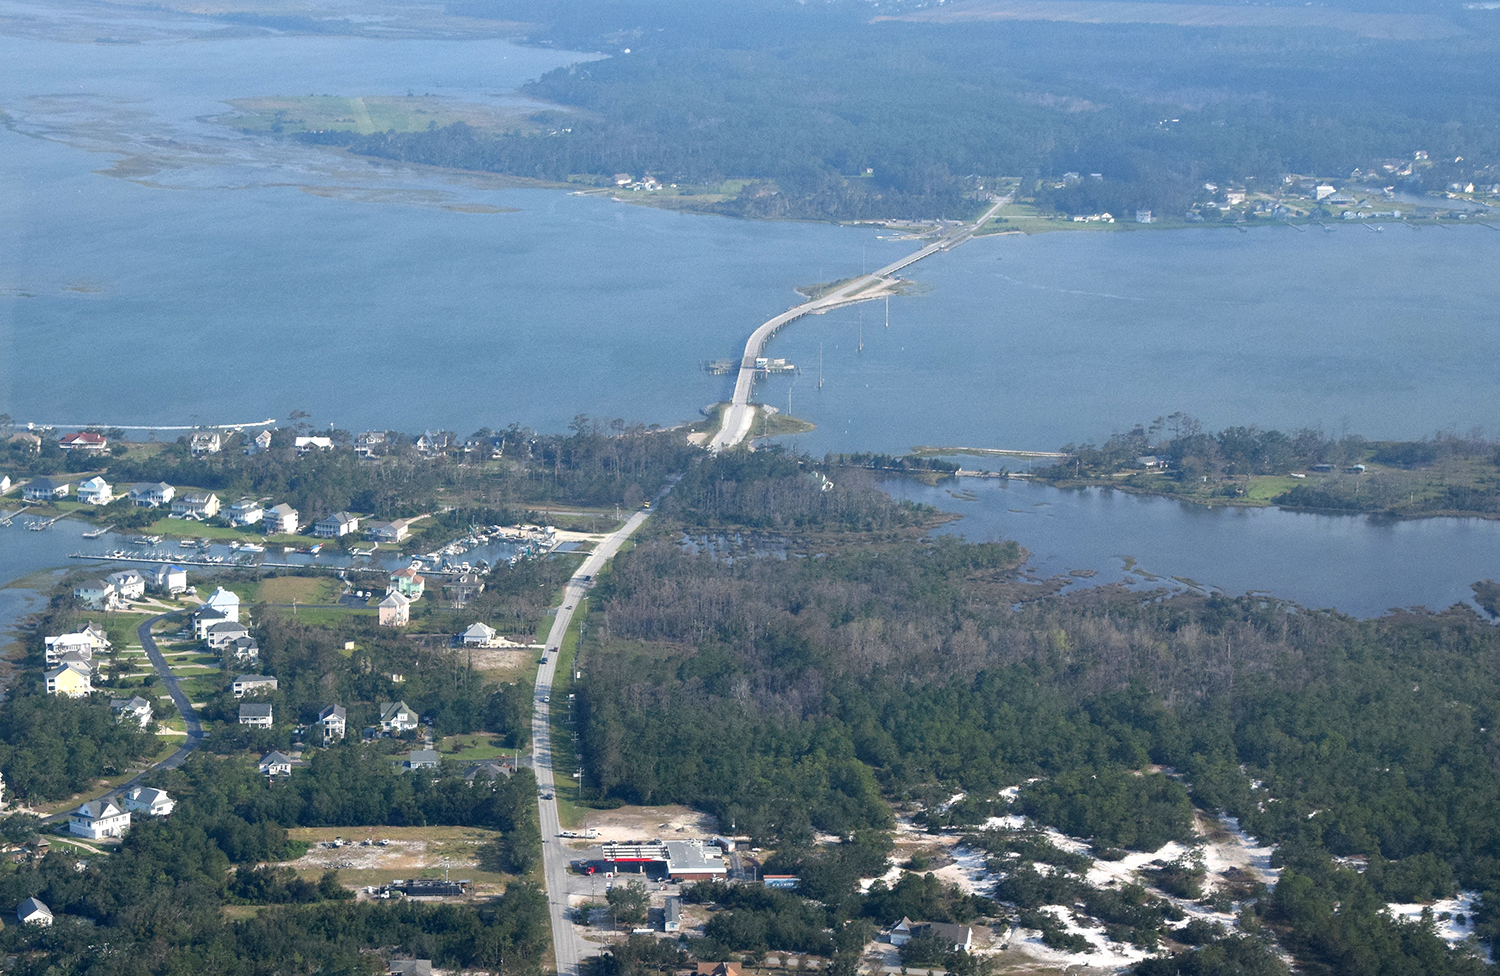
(410, 852)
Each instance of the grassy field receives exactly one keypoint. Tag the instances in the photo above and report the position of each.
(290, 589)
(569, 814)
(365, 115)
(473, 748)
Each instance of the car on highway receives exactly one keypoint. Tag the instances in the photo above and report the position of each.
(568, 607)
(547, 699)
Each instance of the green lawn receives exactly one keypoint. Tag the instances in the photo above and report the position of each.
(472, 748)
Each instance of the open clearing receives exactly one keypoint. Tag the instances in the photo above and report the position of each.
(411, 852)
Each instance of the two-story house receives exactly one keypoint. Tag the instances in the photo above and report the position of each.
(98, 819)
(151, 494)
(96, 491)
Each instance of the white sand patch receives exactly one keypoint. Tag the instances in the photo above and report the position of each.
(1106, 954)
(890, 877)
(1008, 822)
(955, 798)
(1450, 930)
(1122, 872)
(968, 871)
(1239, 850)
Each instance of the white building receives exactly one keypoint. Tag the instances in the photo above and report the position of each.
(98, 819)
(249, 684)
(258, 716)
(306, 444)
(32, 911)
(480, 635)
(152, 494)
(96, 491)
(97, 593)
(397, 717)
(88, 641)
(137, 710)
(246, 511)
(173, 579)
(144, 799)
(260, 443)
(206, 442)
(334, 720)
(336, 526)
(281, 519)
(130, 584)
(226, 602)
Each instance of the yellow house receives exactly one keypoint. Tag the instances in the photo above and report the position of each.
(71, 678)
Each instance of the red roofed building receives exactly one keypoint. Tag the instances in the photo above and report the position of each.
(84, 441)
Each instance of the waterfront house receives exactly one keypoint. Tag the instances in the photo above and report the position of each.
(246, 511)
(463, 588)
(333, 720)
(336, 526)
(97, 593)
(30, 443)
(281, 519)
(249, 684)
(197, 505)
(137, 710)
(396, 717)
(130, 584)
(395, 611)
(370, 443)
(144, 799)
(45, 490)
(275, 764)
(89, 640)
(305, 445)
(173, 579)
(151, 494)
(257, 716)
(33, 912)
(73, 679)
(396, 531)
(408, 582)
(205, 442)
(260, 443)
(96, 491)
(98, 819)
(432, 442)
(86, 441)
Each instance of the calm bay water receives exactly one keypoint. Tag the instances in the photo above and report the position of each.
(159, 268)
(1357, 565)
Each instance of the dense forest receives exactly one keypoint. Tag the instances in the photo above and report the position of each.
(156, 904)
(816, 111)
(871, 672)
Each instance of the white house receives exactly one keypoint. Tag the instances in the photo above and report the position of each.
(396, 531)
(96, 491)
(260, 443)
(258, 716)
(282, 519)
(4, 483)
(197, 504)
(249, 684)
(137, 710)
(97, 593)
(226, 602)
(45, 490)
(151, 494)
(370, 443)
(206, 442)
(423, 759)
(225, 632)
(335, 526)
(173, 579)
(397, 717)
(71, 678)
(130, 584)
(243, 650)
(90, 640)
(395, 611)
(900, 933)
(144, 799)
(480, 635)
(276, 764)
(33, 912)
(246, 511)
(334, 720)
(307, 444)
(98, 819)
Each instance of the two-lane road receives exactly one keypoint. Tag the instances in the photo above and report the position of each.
(739, 416)
(567, 945)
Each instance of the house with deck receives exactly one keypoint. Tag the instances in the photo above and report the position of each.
(333, 720)
(336, 526)
(281, 519)
(196, 505)
(395, 611)
(72, 679)
(152, 802)
(252, 684)
(152, 494)
(397, 717)
(45, 490)
(85, 441)
(96, 491)
(408, 582)
(205, 442)
(136, 709)
(256, 715)
(246, 511)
